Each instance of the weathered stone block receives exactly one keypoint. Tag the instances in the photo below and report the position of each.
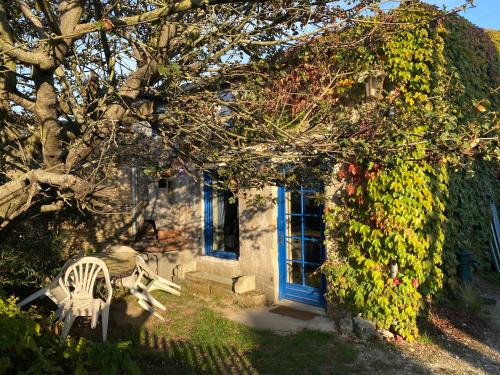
(383, 334)
(244, 284)
(251, 299)
(184, 268)
(346, 326)
(363, 328)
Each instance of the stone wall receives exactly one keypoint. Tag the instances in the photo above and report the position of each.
(179, 206)
(259, 240)
(177, 209)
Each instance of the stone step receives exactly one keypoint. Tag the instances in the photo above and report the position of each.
(209, 284)
(210, 277)
(216, 266)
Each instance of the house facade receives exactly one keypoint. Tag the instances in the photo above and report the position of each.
(269, 240)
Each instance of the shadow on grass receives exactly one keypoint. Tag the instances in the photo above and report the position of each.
(199, 341)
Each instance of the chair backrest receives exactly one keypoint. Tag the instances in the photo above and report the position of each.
(142, 266)
(55, 280)
(79, 279)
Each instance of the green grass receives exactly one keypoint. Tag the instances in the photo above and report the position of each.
(424, 338)
(198, 340)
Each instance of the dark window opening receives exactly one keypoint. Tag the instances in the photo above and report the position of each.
(162, 183)
(225, 222)
(222, 237)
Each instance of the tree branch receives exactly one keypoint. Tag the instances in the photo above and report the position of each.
(153, 15)
(36, 22)
(22, 100)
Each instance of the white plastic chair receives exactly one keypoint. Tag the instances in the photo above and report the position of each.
(54, 291)
(79, 282)
(143, 281)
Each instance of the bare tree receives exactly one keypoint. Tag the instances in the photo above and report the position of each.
(79, 76)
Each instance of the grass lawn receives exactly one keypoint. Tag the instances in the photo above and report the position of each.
(196, 339)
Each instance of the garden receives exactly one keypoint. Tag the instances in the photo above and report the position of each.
(397, 108)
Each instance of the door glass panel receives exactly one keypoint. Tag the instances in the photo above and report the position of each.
(312, 251)
(294, 249)
(303, 222)
(312, 226)
(294, 273)
(295, 226)
(295, 204)
(313, 276)
(311, 204)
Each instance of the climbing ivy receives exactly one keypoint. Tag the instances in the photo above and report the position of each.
(397, 211)
(473, 65)
(468, 213)
(388, 217)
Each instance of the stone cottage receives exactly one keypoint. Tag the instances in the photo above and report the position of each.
(268, 241)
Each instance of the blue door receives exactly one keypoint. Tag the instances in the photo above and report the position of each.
(301, 249)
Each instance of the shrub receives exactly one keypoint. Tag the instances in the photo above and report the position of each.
(29, 345)
(30, 252)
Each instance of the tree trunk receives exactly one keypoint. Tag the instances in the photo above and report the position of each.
(46, 113)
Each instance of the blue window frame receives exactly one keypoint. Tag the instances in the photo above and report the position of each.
(301, 247)
(221, 221)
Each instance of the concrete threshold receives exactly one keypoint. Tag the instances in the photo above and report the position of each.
(263, 319)
(302, 306)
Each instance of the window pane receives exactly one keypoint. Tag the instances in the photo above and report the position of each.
(294, 273)
(218, 220)
(312, 251)
(293, 249)
(231, 224)
(225, 221)
(312, 226)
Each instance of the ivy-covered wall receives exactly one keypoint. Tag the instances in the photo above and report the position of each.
(468, 215)
(417, 156)
(398, 226)
(473, 60)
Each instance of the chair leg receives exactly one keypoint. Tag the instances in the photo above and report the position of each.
(63, 309)
(145, 305)
(105, 318)
(68, 322)
(59, 313)
(96, 309)
(160, 286)
(167, 282)
(40, 293)
(149, 308)
(153, 301)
